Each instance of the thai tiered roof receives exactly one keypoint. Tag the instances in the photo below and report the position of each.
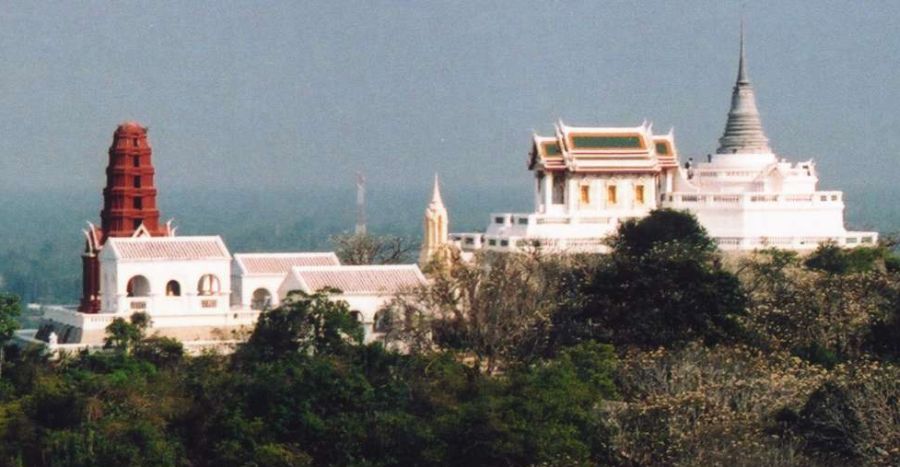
(666, 153)
(603, 149)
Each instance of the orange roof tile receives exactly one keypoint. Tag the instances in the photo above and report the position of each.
(281, 263)
(169, 248)
(360, 279)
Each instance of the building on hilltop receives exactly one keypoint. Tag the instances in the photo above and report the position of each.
(588, 180)
(129, 205)
(191, 287)
(367, 289)
(256, 277)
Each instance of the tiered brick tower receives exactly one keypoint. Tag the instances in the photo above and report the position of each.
(129, 205)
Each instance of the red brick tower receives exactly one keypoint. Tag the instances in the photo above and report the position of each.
(129, 205)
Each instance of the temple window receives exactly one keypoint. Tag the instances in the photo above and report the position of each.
(139, 203)
(611, 194)
(134, 142)
(136, 224)
(136, 161)
(261, 299)
(136, 182)
(585, 194)
(138, 286)
(208, 285)
(173, 289)
(639, 194)
(559, 190)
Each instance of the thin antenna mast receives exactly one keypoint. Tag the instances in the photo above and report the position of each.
(360, 204)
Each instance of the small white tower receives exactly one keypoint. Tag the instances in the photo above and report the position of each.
(436, 221)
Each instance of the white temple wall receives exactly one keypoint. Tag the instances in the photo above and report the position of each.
(116, 275)
(367, 306)
(245, 286)
(772, 222)
(625, 204)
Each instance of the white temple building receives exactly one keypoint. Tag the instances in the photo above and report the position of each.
(193, 290)
(367, 289)
(590, 179)
(191, 287)
(257, 277)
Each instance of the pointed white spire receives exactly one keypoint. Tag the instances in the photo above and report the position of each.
(742, 67)
(436, 191)
(743, 130)
(436, 226)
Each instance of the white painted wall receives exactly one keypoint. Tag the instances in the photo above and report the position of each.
(116, 273)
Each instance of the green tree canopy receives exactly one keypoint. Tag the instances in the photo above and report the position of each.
(304, 324)
(662, 285)
(636, 237)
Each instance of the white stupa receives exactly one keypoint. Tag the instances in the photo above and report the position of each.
(589, 179)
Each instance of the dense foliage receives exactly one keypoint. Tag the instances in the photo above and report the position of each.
(769, 359)
(302, 391)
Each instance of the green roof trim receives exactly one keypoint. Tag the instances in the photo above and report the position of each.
(607, 142)
(662, 148)
(552, 149)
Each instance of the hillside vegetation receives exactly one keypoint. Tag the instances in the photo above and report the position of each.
(663, 352)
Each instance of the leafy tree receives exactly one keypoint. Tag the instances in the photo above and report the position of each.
(851, 418)
(544, 414)
(304, 324)
(833, 259)
(123, 336)
(658, 287)
(818, 315)
(637, 237)
(161, 351)
(10, 309)
(884, 336)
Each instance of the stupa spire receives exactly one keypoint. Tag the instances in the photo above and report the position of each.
(742, 68)
(743, 130)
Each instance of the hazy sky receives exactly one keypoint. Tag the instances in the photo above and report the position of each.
(257, 94)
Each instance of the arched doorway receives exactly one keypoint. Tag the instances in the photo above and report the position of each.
(261, 299)
(208, 285)
(173, 289)
(138, 286)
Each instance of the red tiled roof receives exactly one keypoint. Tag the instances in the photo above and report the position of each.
(361, 279)
(169, 248)
(281, 263)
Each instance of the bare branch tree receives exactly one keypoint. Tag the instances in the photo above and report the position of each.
(495, 308)
(366, 248)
